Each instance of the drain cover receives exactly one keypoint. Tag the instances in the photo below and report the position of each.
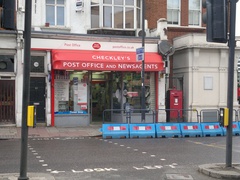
(179, 176)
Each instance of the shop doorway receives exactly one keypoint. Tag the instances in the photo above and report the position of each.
(7, 101)
(37, 97)
(100, 96)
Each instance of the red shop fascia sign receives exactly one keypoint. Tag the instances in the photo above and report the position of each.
(104, 60)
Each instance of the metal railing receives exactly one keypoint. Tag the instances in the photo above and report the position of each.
(180, 115)
(128, 113)
(172, 115)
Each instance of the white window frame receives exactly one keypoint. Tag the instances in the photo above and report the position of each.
(55, 15)
(173, 9)
(101, 15)
(197, 11)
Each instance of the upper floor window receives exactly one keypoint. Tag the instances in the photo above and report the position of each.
(194, 14)
(55, 12)
(116, 14)
(173, 12)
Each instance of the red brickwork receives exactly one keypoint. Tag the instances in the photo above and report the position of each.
(156, 9)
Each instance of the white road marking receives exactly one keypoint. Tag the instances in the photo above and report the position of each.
(41, 160)
(172, 166)
(56, 172)
(88, 170)
(148, 167)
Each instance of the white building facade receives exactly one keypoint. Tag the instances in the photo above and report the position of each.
(203, 67)
(77, 73)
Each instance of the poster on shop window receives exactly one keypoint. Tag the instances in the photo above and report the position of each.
(61, 95)
(82, 95)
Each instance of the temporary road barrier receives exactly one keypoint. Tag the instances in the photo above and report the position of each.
(235, 129)
(115, 131)
(191, 129)
(142, 130)
(211, 129)
(168, 130)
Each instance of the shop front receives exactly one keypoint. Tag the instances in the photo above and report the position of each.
(91, 86)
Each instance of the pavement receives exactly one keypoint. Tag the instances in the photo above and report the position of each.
(10, 132)
(218, 171)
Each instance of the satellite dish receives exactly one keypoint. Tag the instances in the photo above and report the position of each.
(140, 33)
(165, 48)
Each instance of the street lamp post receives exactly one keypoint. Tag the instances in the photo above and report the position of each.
(231, 44)
(26, 89)
(143, 105)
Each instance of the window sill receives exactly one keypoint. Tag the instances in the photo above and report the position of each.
(53, 29)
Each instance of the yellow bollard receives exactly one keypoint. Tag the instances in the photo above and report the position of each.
(30, 116)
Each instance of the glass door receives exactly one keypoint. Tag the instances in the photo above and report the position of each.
(100, 96)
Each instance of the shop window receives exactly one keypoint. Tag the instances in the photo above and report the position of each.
(37, 64)
(82, 92)
(70, 92)
(55, 12)
(7, 14)
(173, 12)
(121, 14)
(127, 88)
(194, 14)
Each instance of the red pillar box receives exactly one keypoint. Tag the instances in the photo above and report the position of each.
(174, 105)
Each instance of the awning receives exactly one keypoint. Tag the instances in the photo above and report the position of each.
(104, 60)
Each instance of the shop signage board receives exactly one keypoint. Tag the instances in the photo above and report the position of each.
(58, 44)
(79, 5)
(105, 60)
(140, 54)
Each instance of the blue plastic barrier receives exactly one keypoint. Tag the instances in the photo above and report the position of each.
(168, 130)
(235, 129)
(141, 130)
(191, 129)
(115, 131)
(211, 129)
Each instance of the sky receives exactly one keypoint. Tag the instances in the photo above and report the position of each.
(238, 19)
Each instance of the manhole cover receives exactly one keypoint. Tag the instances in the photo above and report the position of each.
(179, 176)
